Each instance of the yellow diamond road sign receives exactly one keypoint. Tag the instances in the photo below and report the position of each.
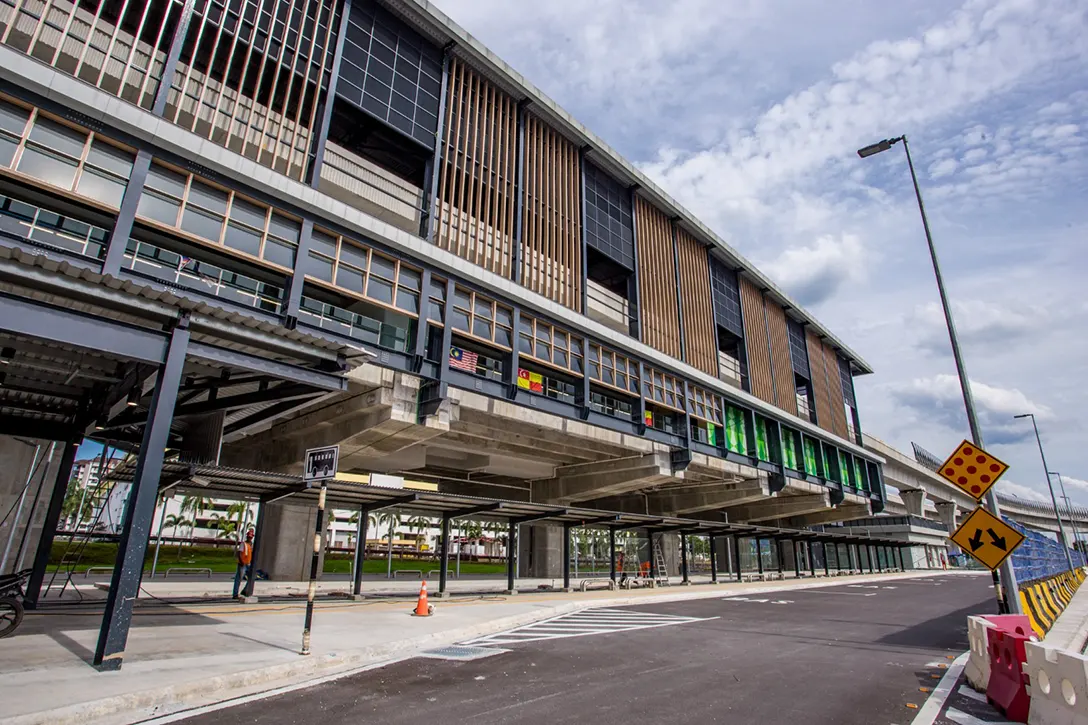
(987, 538)
(972, 469)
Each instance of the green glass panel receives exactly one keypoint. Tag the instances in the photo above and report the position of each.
(845, 469)
(762, 450)
(810, 458)
(736, 438)
(859, 475)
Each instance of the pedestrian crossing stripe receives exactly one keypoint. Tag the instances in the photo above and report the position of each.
(583, 623)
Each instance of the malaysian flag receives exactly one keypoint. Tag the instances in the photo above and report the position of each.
(463, 359)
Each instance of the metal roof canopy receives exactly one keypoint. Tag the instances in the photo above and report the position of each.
(267, 487)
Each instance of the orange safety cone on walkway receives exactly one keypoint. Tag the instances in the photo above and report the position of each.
(423, 609)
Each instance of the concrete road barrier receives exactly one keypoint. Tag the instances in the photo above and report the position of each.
(1059, 685)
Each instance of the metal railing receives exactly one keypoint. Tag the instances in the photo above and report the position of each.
(607, 307)
(730, 370)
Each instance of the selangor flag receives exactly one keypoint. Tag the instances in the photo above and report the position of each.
(523, 378)
(650, 418)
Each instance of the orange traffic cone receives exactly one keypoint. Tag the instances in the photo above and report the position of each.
(423, 609)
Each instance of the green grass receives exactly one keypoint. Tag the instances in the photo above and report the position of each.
(222, 560)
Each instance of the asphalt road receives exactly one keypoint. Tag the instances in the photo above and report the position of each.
(851, 654)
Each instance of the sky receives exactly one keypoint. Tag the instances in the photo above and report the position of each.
(749, 112)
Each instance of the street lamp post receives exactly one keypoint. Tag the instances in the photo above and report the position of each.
(1008, 598)
(1050, 485)
(1070, 514)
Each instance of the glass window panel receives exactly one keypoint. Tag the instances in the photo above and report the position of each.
(49, 167)
(459, 320)
(576, 364)
(502, 336)
(207, 197)
(319, 267)
(385, 268)
(560, 358)
(462, 299)
(543, 332)
(58, 138)
(594, 353)
(279, 253)
(379, 290)
(525, 325)
(633, 386)
(284, 228)
(409, 278)
(348, 278)
(249, 213)
(502, 315)
(525, 344)
(206, 225)
(481, 328)
(435, 312)
(607, 377)
(353, 255)
(542, 351)
(621, 380)
(576, 346)
(166, 181)
(7, 149)
(323, 243)
(483, 308)
(438, 288)
(407, 300)
(105, 189)
(13, 118)
(158, 207)
(110, 159)
(561, 340)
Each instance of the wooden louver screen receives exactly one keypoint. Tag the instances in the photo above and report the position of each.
(834, 392)
(551, 248)
(700, 341)
(755, 332)
(657, 283)
(779, 337)
(826, 386)
(475, 204)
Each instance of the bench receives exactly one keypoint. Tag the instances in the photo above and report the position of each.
(88, 570)
(189, 570)
(608, 584)
(415, 572)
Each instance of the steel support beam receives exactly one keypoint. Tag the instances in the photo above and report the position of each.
(243, 361)
(434, 164)
(713, 560)
(360, 551)
(511, 556)
(330, 97)
(566, 555)
(827, 564)
(796, 558)
(443, 554)
(612, 553)
(684, 557)
(49, 526)
(293, 298)
(811, 561)
(140, 509)
(736, 556)
(126, 214)
(759, 554)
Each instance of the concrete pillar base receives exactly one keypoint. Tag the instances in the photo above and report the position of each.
(247, 600)
(441, 595)
(358, 597)
(685, 584)
(567, 590)
(510, 592)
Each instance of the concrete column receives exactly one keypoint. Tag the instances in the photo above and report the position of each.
(723, 551)
(915, 501)
(288, 546)
(947, 511)
(670, 547)
(16, 457)
(540, 552)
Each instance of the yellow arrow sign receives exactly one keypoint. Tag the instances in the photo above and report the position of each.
(987, 538)
(972, 469)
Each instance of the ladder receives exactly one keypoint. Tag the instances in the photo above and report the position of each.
(661, 570)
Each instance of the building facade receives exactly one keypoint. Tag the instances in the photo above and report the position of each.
(545, 323)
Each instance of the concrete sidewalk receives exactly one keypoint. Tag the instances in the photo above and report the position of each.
(180, 657)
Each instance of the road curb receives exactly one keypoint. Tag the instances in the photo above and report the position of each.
(171, 699)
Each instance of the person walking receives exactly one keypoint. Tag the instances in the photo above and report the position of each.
(244, 554)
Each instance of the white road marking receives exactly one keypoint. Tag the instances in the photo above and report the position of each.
(581, 624)
(966, 691)
(758, 601)
(963, 718)
(844, 594)
(932, 707)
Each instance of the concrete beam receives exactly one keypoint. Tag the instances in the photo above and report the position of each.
(915, 501)
(842, 512)
(780, 508)
(705, 498)
(586, 481)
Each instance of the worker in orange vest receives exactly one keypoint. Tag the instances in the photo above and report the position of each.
(245, 562)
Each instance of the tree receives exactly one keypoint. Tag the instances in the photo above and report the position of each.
(74, 497)
(196, 505)
(393, 521)
(419, 524)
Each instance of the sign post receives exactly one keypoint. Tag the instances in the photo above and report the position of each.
(975, 472)
(320, 465)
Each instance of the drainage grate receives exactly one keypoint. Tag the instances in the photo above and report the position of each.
(457, 652)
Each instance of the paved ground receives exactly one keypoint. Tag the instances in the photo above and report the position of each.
(857, 654)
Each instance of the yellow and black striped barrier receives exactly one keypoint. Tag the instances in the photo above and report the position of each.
(1044, 600)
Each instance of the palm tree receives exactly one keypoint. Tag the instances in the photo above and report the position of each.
(393, 521)
(418, 524)
(197, 505)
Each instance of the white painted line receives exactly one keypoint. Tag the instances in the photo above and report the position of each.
(967, 692)
(932, 707)
(963, 718)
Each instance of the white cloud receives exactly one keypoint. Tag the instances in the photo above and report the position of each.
(980, 325)
(1021, 491)
(811, 274)
(940, 400)
(943, 168)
